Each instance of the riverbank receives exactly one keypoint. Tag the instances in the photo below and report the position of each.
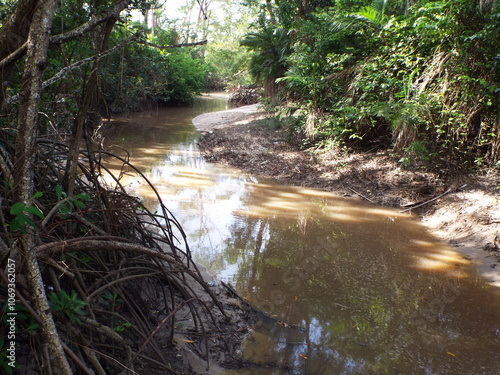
(460, 210)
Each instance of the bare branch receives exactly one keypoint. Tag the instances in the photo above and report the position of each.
(59, 75)
(98, 56)
(93, 22)
(203, 10)
(78, 31)
(201, 43)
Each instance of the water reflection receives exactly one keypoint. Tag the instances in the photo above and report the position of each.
(351, 277)
(365, 288)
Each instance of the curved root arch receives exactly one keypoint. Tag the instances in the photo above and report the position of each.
(120, 279)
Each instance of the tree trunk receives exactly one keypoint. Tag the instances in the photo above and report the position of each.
(86, 106)
(29, 98)
(13, 35)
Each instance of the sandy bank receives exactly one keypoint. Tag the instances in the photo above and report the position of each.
(231, 117)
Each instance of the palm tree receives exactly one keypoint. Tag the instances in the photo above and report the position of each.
(271, 46)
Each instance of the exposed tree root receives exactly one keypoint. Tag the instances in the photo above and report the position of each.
(118, 277)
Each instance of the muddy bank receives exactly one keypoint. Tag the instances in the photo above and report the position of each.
(461, 210)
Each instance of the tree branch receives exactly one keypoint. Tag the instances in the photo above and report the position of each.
(90, 24)
(13, 34)
(17, 54)
(201, 43)
(76, 32)
(60, 75)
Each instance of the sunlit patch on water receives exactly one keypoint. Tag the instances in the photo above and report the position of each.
(351, 288)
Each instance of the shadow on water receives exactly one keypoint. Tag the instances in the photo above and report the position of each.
(368, 289)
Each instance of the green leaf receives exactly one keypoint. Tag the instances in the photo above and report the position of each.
(38, 194)
(79, 203)
(35, 211)
(19, 221)
(33, 326)
(53, 297)
(22, 316)
(83, 196)
(65, 208)
(15, 226)
(60, 193)
(17, 208)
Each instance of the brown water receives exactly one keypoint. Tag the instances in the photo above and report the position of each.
(352, 288)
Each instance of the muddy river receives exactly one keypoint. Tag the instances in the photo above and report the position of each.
(351, 288)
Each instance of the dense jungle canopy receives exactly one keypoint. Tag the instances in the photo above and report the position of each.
(421, 77)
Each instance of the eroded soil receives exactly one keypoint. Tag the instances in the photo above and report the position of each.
(462, 210)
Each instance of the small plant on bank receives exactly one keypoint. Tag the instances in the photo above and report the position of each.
(67, 205)
(21, 213)
(70, 304)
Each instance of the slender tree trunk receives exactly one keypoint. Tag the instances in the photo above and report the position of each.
(270, 10)
(86, 106)
(29, 98)
(203, 22)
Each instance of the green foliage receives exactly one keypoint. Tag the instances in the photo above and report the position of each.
(67, 205)
(228, 60)
(272, 48)
(21, 213)
(25, 323)
(6, 7)
(122, 326)
(140, 76)
(69, 304)
(113, 302)
(423, 77)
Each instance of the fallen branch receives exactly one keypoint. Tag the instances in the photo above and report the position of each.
(362, 196)
(429, 201)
